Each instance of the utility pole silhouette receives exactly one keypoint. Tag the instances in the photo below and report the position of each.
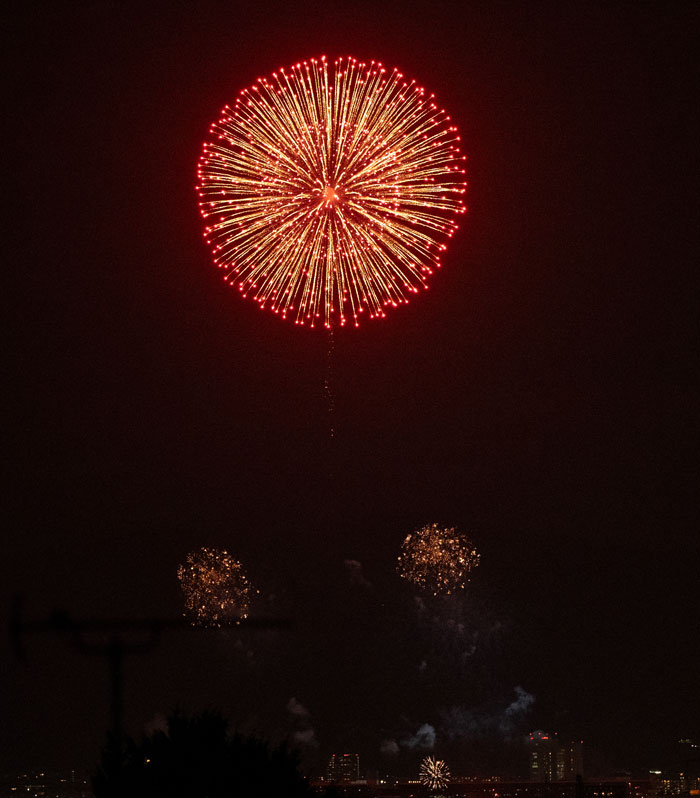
(114, 639)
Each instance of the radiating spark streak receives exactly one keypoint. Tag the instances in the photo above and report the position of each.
(328, 190)
(434, 773)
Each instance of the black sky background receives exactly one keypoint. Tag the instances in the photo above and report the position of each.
(540, 395)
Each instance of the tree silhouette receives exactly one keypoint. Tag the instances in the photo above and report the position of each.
(197, 758)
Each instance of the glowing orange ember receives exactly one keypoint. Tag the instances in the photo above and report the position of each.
(329, 194)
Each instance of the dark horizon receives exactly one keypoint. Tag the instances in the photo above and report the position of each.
(540, 395)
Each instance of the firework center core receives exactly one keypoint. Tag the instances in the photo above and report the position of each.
(330, 194)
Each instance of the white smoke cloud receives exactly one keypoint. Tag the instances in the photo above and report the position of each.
(469, 652)
(305, 737)
(522, 703)
(355, 573)
(296, 708)
(461, 723)
(423, 739)
(157, 723)
(389, 747)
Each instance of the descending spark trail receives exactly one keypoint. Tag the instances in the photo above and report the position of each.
(328, 384)
(329, 190)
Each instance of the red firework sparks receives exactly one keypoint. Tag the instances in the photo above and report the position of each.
(330, 190)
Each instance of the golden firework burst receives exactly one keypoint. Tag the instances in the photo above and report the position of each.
(437, 559)
(434, 773)
(216, 589)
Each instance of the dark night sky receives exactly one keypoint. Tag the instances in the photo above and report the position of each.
(540, 395)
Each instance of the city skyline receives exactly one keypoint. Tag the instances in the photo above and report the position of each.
(467, 521)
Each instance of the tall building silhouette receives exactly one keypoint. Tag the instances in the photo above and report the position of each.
(343, 768)
(552, 760)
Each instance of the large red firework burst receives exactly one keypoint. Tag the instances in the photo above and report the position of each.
(329, 190)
